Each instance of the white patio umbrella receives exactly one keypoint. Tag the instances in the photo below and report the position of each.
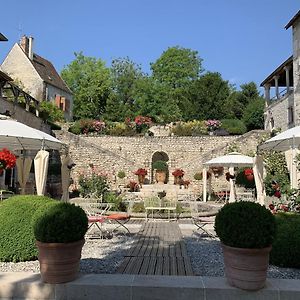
(287, 141)
(231, 160)
(41, 169)
(23, 167)
(18, 136)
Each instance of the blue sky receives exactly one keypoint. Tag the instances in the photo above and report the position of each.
(244, 40)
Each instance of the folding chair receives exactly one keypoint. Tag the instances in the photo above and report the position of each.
(96, 219)
(202, 222)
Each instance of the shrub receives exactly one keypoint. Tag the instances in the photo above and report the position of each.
(286, 246)
(75, 128)
(138, 208)
(60, 223)
(51, 112)
(116, 201)
(121, 174)
(234, 126)
(198, 176)
(96, 184)
(194, 128)
(16, 234)
(120, 129)
(160, 165)
(245, 225)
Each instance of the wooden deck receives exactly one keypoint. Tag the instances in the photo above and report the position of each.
(159, 250)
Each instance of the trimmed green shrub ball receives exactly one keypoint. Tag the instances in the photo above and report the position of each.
(286, 247)
(17, 242)
(60, 223)
(245, 225)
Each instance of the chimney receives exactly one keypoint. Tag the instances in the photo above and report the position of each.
(24, 43)
(30, 48)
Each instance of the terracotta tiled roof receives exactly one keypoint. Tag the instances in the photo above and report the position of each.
(48, 73)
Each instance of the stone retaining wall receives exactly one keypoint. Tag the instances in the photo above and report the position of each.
(111, 154)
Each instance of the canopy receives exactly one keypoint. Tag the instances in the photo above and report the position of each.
(283, 141)
(233, 159)
(18, 136)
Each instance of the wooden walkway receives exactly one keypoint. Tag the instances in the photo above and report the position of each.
(159, 250)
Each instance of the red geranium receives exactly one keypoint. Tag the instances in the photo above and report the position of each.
(178, 173)
(141, 171)
(248, 172)
(7, 159)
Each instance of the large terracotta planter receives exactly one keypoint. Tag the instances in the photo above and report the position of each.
(246, 268)
(59, 262)
(160, 176)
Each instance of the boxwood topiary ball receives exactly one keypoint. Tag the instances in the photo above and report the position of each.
(245, 225)
(60, 223)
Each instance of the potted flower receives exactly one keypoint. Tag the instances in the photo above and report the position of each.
(7, 160)
(249, 174)
(212, 125)
(141, 173)
(59, 229)
(217, 170)
(178, 174)
(246, 231)
(161, 168)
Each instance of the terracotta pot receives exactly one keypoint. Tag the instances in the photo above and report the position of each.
(160, 176)
(59, 262)
(246, 268)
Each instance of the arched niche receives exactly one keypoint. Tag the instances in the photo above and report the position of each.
(159, 155)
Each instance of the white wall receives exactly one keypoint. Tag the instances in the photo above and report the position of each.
(18, 66)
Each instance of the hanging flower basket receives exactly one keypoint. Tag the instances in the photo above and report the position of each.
(217, 170)
(7, 160)
(249, 174)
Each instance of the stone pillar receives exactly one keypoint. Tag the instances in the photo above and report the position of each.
(276, 86)
(267, 87)
(287, 77)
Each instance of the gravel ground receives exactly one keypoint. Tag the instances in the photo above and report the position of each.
(207, 259)
(106, 255)
(98, 256)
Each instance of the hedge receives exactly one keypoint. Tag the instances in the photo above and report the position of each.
(17, 242)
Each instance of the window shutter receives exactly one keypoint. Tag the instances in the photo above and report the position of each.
(57, 100)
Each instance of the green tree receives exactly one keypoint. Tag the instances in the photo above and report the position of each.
(206, 97)
(254, 114)
(89, 80)
(121, 104)
(237, 101)
(155, 100)
(177, 66)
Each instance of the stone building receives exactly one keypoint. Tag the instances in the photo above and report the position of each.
(282, 109)
(38, 76)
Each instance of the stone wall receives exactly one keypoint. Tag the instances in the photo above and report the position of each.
(112, 154)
